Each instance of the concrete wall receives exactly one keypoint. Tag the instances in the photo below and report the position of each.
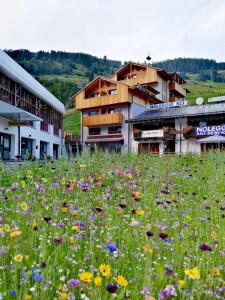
(34, 133)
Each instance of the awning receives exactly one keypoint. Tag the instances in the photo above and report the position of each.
(11, 112)
(104, 140)
(214, 139)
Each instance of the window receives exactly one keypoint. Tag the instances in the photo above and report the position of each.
(113, 92)
(114, 130)
(134, 76)
(95, 131)
(93, 113)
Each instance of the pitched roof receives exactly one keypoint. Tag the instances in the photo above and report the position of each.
(14, 71)
(183, 111)
(160, 71)
(103, 78)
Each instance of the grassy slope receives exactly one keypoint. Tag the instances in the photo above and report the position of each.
(205, 90)
(71, 121)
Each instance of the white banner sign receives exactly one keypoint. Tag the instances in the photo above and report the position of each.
(167, 105)
(216, 99)
(152, 133)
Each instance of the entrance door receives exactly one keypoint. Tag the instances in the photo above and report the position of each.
(5, 146)
(43, 149)
(26, 148)
(55, 151)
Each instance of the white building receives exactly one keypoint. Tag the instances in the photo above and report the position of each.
(30, 116)
(185, 129)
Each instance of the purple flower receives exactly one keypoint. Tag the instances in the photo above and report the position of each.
(13, 293)
(167, 292)
(15, 186)
(112, 248)
(145, 292)
(163, 235)
(169, 271)
(16, 197)
(205, 247)
(60, 224)
(83, 185)
(74, 282)
(38, 277)
(112, 288)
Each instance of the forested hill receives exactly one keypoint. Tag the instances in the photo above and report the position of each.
(64, 73)
(206, 69)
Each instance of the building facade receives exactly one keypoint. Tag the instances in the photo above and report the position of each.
(185, 129)
(107, 103)
(30, 116)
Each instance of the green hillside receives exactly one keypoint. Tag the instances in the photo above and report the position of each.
(71, 121)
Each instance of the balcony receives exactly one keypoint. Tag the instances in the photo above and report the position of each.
(174, 86)
(121, 97)
(104, 119)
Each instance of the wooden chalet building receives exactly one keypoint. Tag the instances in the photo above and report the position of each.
(106, 103)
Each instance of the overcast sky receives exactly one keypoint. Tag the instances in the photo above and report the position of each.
(119, 29)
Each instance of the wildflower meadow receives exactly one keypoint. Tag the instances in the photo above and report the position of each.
(113, 227)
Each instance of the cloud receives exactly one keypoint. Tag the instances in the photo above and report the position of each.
(120, 29)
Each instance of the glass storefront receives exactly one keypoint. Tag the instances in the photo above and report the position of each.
(26, 148)
(43, 149)
(5, 146)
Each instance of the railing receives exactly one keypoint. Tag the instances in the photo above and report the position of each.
(104, 119)
(174, 86)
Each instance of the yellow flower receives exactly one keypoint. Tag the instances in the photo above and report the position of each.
(86, 277)
(82, 166)
(6, 227)
(15, 233)
(181, 283)
(64, 209)
(98, 281)
(27, 297)
(193, 273)
(140, 212)
(22, 183)
(121, 280)
(213, 235)
(75, 228)
(71, 240)
(18, 258)
(148, 248)
(215, 272)
(63, 296)
(34, 224)
(105, 270)
(75, 212)
(129, 175)
(24, 206)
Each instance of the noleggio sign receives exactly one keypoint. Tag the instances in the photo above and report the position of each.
(210, 130)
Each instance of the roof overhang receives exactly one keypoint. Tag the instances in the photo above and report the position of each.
(14, 113)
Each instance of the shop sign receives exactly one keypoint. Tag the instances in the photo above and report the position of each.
(210, 130)
(152, 133)
(216, 99)
(167, 105)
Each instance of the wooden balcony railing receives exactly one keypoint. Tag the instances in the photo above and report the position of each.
(174, 86)
(104, 119)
